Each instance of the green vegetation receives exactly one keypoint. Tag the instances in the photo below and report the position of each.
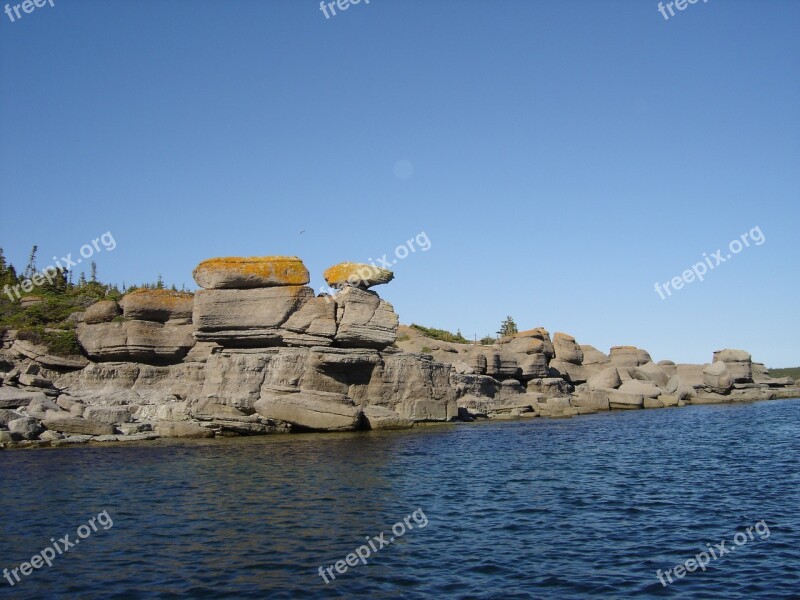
(793, 372)
(441, 334)
(42, 314)
(507, 328)
(426, 350)
(488, 340)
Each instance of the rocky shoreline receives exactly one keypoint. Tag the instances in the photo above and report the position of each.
(255, 352)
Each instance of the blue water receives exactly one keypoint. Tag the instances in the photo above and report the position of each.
(588, 507)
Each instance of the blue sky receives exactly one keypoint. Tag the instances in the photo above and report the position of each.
(560, 156)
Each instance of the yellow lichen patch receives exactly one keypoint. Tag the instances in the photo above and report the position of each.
(357, 275)
(159, 297)
(249, 272)
(539, 332)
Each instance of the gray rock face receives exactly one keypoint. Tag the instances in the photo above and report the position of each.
(650, 372)
(641, 388)
(595, 399)
(79, 426)
(314, 324)
(38, 408)
(238, 272)
(379, 417)
(572, 372)
(11, 397)
(137, 341)
(107, 414)
(533, 366)
(607, 378)
(592, 356)
(7, 415)
(248, 317)
(103, 311)
(629, 356)
(738, 364)
(180, 429)
(717, 378)
(160, 306)
(566, 349)
(364, 320)
(315, 411)
(27, 428)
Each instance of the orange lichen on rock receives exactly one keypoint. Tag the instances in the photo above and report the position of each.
(157, 304)
(356, 275)
(250, 272)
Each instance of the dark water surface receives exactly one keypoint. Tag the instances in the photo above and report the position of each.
(581, 508)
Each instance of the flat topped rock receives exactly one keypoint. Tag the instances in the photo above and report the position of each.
(156, 305)
(250, 272)
(360, 275)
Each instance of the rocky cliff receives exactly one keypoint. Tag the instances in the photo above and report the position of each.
(255, 352)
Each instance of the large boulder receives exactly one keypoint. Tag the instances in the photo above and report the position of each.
(247, 317)
(157, 305)
(607, 378)
(379, 417)
(314, 324)
(364, 320)
(308, 410)
(533, 366)
(102, 312)
(11, 397)
(182, 429)
(717, 378)
(629, 356)
(250, 272)
(650, 372)
(640, 388)
(79, 426)
(136, 341)
(593, 356)
(572, 372)
(531, 341)
(566, 349)
(596, 399)
(738, 363)
(360, 275)
(27, 428)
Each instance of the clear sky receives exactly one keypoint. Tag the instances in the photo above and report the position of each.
(561, 157)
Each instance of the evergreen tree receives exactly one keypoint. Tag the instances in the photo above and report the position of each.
(508, 327)
(31, 268)
(94, 272)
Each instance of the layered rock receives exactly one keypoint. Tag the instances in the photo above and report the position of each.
(250, 272)
(360, 275)
(155, 328)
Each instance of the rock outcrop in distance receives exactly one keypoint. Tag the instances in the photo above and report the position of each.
(256, 352)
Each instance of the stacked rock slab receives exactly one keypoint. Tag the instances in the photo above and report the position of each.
(155, 327)
(308, 360)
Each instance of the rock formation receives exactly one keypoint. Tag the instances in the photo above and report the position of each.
(254, 351)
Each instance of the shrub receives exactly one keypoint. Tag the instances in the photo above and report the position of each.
(441, 334)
